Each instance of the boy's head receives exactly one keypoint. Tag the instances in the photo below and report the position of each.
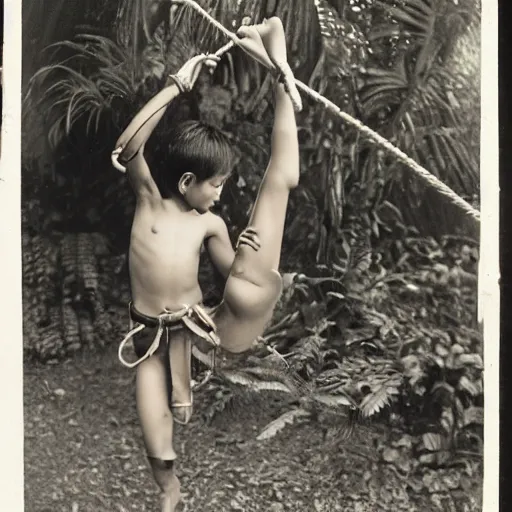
(200, 158)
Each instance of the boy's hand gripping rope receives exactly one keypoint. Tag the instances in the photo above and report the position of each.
(398, 153)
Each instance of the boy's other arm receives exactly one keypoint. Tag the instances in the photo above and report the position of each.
(219, 245)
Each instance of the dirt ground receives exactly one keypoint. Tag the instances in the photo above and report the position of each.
(84, 452)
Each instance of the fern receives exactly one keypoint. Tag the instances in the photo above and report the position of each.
(274, 427)
(257, 385)
(377, 400)
(333, 400)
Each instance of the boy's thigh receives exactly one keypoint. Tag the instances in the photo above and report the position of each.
(246, 310)
(250, 300)
(157, 367)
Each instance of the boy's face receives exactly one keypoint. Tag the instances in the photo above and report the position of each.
(204, 194)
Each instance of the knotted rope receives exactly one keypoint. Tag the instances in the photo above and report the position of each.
(425, 175)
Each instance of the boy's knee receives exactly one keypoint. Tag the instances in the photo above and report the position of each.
(251, 297)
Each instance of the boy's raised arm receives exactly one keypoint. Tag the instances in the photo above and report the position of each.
(127, 154)
(141, 127)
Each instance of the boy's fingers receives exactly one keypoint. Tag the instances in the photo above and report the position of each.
(252, 235)
(242, 32)
(249, 242)
(252, 246)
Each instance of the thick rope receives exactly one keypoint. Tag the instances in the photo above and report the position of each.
(399, 154)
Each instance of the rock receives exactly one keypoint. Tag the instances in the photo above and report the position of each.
(390, 454)
(404, 465)
(59, 392)
(457, 349)
(405, 441)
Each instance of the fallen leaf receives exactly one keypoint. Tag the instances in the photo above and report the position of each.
(473, 415)
(432, 441)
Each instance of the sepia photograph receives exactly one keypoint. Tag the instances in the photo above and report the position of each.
(253, 272)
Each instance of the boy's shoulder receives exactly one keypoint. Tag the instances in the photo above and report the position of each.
(214, 223)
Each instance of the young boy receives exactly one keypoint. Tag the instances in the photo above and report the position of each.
(172, 221)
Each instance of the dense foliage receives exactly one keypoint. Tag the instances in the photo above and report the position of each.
(396, 327)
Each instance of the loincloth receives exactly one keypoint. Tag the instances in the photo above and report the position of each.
(173, 336)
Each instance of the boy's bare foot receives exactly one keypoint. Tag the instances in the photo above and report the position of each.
(252, 44)
(171, 498)
(169, 484)
(272, 35)
(266, 43)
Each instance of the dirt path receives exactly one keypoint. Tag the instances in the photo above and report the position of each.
(83, 452)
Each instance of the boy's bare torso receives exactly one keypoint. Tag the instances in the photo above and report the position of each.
(164, 256)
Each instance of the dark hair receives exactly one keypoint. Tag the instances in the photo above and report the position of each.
(196, 147)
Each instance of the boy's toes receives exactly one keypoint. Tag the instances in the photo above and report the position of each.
(275, 23)
(247, 31)
(251, 43)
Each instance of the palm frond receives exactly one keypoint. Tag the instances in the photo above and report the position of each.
(85, 85)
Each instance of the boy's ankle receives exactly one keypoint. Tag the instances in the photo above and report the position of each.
(277, 35)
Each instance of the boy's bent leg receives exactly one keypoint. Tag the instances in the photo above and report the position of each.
(254, 284)
(157, 428)
(268, 219)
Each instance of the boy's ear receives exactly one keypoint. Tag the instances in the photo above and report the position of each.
(189, 178)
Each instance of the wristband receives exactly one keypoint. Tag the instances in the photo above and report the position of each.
(179, 83)
(114, 158)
